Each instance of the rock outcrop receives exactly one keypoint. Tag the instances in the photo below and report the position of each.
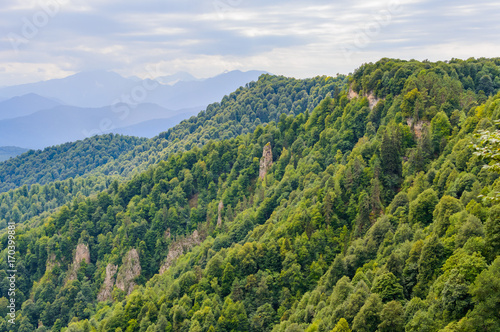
(372, 100)
(130, 269)
(266, 161)
(107, 287)
(82, 253)
(416, 126)
(179, 247)
(52, 262)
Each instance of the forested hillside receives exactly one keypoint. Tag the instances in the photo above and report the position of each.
(255, 104)
(63, 161)
(239, 113)
(369, 213)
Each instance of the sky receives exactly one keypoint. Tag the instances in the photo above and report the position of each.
(46, 39)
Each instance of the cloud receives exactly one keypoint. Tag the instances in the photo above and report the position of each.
(295, 38)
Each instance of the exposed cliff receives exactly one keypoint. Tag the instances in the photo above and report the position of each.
(107, 287)
(82, 253)
(179, 247)
(372, 99)
(130, 269)
(266, 161)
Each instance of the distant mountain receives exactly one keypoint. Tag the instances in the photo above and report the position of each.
(151, 128)
(205, 92)
(25, 105)
(67, 123)
(103, 88)
(86, 89)
(76, 107)
(181, 76)
(7, 152)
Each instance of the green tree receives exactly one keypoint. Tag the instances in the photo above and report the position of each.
(492, 229)
(421, 322)
(263, 318)
(392, 317)
(227, 279)
(391, 156)
(412, 104)
(429, 263)
(486, 297)
(421, 209)
(341, 326)
(440, 130)
(388, 287)
(487, 146)
(368, 317)
(233, 317)
(446, 207)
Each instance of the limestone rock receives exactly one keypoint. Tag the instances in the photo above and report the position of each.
(266, 161)
(107, 287)
(179, 247)
(130, 269)
(372, 99)
(82, 253)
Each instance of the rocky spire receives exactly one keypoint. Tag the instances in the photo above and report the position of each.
(266, 161)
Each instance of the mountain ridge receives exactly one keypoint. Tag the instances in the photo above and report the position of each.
(103, 88)
(25, 105)
(356, 223)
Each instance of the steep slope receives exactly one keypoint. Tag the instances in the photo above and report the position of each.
(35, 202)
(358, 221)
(240, 112)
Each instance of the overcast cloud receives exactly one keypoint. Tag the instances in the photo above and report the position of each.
(44, 39)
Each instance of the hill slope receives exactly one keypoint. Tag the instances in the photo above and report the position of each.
(260, 102)
(349, 216)
(37, 201)
(63, 161)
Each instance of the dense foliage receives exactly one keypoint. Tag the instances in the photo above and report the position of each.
(63, 161)
(389, 76)
(368, 219)
(240, 112)
(36, 202)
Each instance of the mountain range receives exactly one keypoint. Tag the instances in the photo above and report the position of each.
(62, 124)
(103, 88)
(52, 112)
(366, 203)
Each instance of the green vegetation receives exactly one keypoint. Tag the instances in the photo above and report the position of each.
(369, 219)
(63, 161)
(101, 160)
(239, 113)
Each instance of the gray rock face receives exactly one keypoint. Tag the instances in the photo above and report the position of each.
(266, 161)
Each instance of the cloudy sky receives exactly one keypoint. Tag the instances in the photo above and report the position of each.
(44, 39)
